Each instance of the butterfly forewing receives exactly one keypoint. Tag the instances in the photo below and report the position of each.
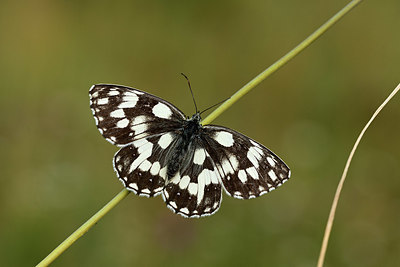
(124, 114)
(247, 168)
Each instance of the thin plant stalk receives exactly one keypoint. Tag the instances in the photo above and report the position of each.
(282, 61)
(240, 93)
(339, 188)
(83, 229)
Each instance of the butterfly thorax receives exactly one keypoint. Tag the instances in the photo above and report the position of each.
(191, 130)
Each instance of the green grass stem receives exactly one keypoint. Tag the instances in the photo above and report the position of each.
(83, 229)
(278, 64)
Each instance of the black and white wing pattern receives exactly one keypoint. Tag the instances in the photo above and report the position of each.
(247, 168)
(195, 190)
(163, 152)
(143, 125)
(124, 114)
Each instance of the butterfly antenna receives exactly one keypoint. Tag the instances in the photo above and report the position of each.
(194, 101)
(219, 103)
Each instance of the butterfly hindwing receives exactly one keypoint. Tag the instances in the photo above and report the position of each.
(142, 165)
(247, 168)
(195, 190)
(125, 114)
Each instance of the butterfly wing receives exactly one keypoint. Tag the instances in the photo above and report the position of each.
(123, 114)
(143, 125)
(195, 190)
(142, 165)
(247, 168)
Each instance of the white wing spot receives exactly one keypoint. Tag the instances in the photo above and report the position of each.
(165, 194)
(119, 167)
(253, 172)
(199, 156)
(200, 190)
(102, 101)
(224, 138)
(192, 188)
(163, 172)
(146, 191)
(204, 177)
(242, 176)
(129, 94)
(113, 93)
(129, 101)
(141, 135)
(162, 111)
(272, 175)
(139, 119)
(173, 204)
(139, 128)
(145, 166)
(134, 186)
(238, 194)
(95, 94)
(165, 140)
(234, 162)
(255, 151)
(271, 161)
(226, 166)
(144, 152)
(252, 158)
(184, 210)
(140, 142)
(155, 168)
(176, 178)
(119, 113)
(183, 184)
(123, 123)
(214, 177)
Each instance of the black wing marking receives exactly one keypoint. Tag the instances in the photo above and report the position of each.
(247, 168)
(195, 190)
(124, 114)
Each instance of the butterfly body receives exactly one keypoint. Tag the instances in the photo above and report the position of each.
(164, 152)
(187, 136)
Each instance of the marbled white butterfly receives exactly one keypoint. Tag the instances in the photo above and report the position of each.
(164, 152)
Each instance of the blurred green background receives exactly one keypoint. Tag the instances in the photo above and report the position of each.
(56, 169)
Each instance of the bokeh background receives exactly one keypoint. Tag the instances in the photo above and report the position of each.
(56, 169)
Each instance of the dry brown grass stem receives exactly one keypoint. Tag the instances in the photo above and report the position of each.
(331, 218)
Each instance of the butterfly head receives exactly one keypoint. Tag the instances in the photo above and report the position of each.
(195, 118)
